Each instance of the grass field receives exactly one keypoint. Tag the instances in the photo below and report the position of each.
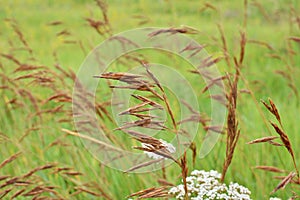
(44, 43)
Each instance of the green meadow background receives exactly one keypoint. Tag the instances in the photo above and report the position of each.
(269, 70)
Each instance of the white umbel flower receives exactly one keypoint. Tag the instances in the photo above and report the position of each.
(205, 185)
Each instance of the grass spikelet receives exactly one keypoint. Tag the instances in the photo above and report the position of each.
(10, 182)
(295, 39)
(10, 159)
(262, 140)
(184, 174)
(88, 191)
(207, 6)
(275, 143)
(5, 192)
(270, 169)
(48, 166)
(145, 164)
(224, 45)
(183, 29)
(284, 182)
(18, 193)
(4, 177)
(166, 100)
(164, 182)
(55, 23)
(262, 10)
(285, 140)
(73, 173)
(273, 109)
(151, 193)
(232, 131)
(261, 43)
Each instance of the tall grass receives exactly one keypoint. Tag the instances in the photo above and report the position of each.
(256, 46)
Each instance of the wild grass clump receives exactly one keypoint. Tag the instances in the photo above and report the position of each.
(292, 176)
(256, 47)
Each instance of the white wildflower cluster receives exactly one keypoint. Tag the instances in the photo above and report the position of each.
(168, 146)
(206, 185)
(274, 198)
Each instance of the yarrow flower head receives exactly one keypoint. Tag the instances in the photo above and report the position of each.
(206, 185)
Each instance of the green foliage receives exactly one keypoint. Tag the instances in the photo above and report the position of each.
(269, 23)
